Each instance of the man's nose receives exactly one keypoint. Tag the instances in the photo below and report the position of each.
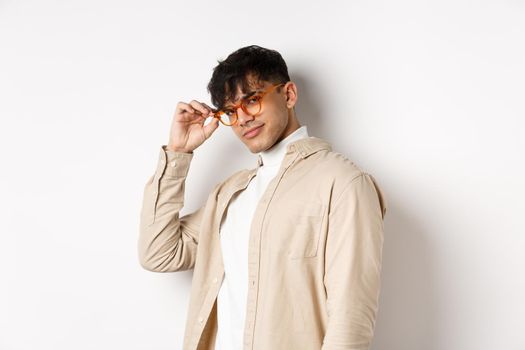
(243, 117)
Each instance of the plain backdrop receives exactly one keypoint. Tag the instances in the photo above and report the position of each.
(428, 96)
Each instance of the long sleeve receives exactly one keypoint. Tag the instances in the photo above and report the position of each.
(166, 242)
(353, 264)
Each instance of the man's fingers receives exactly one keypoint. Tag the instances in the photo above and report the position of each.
(200, 107)
(209, 108)
(184, 107)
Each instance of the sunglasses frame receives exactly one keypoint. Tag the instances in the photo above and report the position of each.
(241, 104)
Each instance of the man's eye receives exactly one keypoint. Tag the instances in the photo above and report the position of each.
(229, 112)
(253, 99)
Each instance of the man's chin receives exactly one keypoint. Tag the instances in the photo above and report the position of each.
(256, 148)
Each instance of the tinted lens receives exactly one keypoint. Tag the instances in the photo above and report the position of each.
(228, 118)
(252, 105)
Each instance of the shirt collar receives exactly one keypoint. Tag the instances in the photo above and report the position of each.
(275, 155)
(304, 146)
(301, 148)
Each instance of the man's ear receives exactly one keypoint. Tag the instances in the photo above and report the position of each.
(291, 95)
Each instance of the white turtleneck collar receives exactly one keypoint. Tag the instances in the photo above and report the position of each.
(275, 154)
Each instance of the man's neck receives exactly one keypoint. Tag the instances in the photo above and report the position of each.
(274, 155)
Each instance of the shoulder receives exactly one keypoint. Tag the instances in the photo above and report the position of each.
(345, 176)
(336, 165)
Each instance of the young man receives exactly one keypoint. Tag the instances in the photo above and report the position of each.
(286, 255)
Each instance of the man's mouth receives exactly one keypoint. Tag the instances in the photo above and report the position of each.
(253, 132)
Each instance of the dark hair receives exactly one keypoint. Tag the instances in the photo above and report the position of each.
(260, 63)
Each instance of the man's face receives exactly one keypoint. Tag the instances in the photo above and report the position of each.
(273, 123)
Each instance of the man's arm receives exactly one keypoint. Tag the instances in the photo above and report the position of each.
(353, 264)
(167, 243)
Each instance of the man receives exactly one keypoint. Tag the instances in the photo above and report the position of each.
(286, 255)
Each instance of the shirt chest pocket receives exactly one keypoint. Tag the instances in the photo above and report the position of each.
(296, 229)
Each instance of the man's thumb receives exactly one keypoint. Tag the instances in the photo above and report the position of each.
(210, 127)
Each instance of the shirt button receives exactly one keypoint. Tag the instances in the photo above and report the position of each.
(215, 280)
(201, 319)
(173, 163)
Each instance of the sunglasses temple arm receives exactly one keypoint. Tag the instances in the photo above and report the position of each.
(199, 112)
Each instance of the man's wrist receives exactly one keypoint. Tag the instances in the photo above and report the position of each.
(179, 150)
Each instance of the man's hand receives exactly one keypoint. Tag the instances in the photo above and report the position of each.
(187, 128)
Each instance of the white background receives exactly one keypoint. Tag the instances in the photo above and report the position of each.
(428, 96)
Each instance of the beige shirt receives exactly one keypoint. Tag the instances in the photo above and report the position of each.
(314, 255)
(234, 235)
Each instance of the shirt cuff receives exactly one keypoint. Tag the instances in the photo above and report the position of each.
(174, 164)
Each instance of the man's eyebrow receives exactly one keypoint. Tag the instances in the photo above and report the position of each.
(251, 93)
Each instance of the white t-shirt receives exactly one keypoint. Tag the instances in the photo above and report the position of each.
(234, 238)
